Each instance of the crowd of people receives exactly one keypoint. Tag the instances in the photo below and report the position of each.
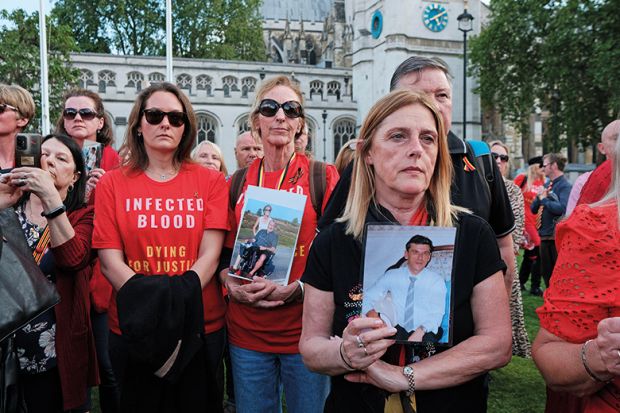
(139, 247)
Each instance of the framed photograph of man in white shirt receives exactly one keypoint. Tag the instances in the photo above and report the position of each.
(408, 280)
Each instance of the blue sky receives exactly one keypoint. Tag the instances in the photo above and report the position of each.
(28, 5)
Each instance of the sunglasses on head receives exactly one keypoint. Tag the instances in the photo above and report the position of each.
(156, 116)
(503, 158)
(5, 106)
(269, 108)
(85, 114)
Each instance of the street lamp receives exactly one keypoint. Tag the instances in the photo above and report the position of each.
(324, 116)
(465, 25)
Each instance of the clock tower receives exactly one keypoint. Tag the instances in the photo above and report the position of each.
(386, 32)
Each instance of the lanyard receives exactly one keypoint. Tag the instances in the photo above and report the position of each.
(261, 172)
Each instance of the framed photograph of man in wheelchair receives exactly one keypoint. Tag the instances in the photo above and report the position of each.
(267, 234)
(408, 281)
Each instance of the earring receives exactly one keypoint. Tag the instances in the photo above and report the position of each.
(70, 188)
(139, 135)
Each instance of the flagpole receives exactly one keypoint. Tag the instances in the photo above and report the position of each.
(169, 41)
(45, 103)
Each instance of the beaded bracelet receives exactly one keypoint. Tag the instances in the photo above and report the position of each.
(350, 367)
(585, 364)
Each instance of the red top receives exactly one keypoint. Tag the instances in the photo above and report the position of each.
(159, 226)
(583, 288)
(75, 346)
(528, 196)
(100, 287)
(276, 330)
(597, 184)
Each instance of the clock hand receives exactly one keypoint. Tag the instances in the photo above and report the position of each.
(438, 15)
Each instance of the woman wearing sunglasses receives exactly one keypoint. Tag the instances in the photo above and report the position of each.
(16, 110)
(264, 320)
(162, 213)
(520, 341)
(83, 119)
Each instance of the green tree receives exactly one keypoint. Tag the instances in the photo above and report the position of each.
(20, 59)
(87, 24)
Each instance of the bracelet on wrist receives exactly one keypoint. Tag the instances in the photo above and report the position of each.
(301, 288)
(344, 360)
(54, 212)
(584, 361)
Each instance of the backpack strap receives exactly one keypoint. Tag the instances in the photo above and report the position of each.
(236, 186)
(318, 184)
(483, 156)
(481, 168)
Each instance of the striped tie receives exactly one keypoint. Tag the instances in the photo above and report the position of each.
(409, 305)
(539, 214)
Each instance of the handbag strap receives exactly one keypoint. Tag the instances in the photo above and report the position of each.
(44, 241)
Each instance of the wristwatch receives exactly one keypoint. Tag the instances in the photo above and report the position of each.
(408, 372)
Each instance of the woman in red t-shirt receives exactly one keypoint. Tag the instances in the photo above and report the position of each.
(578, 345)
(84, 119)
(160, 213)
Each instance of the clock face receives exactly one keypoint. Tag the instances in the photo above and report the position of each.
(435, 17)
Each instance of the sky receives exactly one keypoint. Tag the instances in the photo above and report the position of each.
(28, 5)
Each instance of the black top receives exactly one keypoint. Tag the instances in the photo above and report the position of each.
(334, 265)
(469, 189)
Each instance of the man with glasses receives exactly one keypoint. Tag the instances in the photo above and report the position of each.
(549, 206)
(410, 297)
(16, 110)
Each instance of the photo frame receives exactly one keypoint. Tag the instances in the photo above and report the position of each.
(267, 234)
(407, 278)
(92, 152)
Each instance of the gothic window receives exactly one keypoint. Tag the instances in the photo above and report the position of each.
(333, 88)
(204, 82)
(248, 85)
(184, 81)
(344, 130)
(243, 125)
(316, 88)
(229, 84)
(156, 77)
(135, 80)
(207, 127)
(86, 78)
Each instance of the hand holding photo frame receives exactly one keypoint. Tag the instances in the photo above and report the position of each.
(408, 280)
(267, 235)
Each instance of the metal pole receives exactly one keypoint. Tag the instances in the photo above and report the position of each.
(45, 103)
(464, 85)
(169, 41)
(324, 115)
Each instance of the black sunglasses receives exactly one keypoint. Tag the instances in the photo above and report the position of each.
(503, 158)
(269, 108)
(85, 114)
(5, 106)
(155, 116)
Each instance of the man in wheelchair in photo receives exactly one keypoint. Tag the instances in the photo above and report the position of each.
(256, 254)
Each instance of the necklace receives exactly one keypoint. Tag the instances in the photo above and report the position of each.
(162, 175)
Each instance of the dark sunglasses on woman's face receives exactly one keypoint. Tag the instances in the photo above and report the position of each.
(5, 106)
(155, 116)
(503, 158)
(269, 108)
(85, 114)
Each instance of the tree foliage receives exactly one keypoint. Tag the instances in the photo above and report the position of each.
(20, 59)
(211, 29)
(554, 57)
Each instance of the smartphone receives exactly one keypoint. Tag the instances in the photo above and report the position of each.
(28, 150)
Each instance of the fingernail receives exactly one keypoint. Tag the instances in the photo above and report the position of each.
(378, 322)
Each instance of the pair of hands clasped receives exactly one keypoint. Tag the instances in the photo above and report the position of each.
(608, 343)
(26, 179)
(260, 293)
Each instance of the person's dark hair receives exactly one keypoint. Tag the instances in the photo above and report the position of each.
(556, 158)
(104, 135)
(419, 240)
(415, 64)
(133, 152)
(75, 197)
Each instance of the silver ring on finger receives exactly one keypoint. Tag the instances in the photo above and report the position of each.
(360, 342)
(365, 351)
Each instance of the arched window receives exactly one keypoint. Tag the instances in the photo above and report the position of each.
(207, 127)
(86, 78)
(135, 80)
(204, 82)
(333, 88)
(184, 81)
(243, 125)
(229, 84)
(156, 77)
(248, 85)
(344, 130)
(106, 78)
(316, 88)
